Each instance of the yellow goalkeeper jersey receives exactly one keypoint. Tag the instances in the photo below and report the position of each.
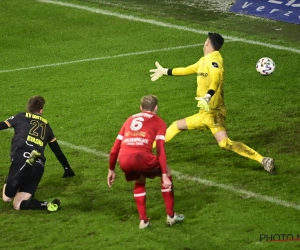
(210, 75)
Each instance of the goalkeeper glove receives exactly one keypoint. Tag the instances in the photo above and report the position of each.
(68, 172)
(158, 72)
(203, 102)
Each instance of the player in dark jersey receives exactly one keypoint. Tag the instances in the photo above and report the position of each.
(32, 133)
(133, 147)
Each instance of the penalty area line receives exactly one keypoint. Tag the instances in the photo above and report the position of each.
(164, 24)
(103, 58)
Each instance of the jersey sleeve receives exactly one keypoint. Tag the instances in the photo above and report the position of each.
(192, 69)
(50, 134)
(12, 121)
(161, 131)
(161, 155)
(59, 154)
(3, 125)
(113, 155)
(160, 147)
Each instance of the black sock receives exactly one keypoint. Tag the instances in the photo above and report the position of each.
(33, 204)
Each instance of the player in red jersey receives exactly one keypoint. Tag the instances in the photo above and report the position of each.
(133, 148)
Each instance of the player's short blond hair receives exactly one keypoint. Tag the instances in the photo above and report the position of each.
(35, 104)
(149, 102)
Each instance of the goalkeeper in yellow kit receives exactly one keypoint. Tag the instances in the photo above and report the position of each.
(210, 97)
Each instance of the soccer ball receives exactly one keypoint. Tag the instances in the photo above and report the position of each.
(265, 66)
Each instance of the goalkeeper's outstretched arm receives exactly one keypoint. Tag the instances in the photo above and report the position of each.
(183, 71)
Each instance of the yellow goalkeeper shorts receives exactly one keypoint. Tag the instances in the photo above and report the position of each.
(215, 121)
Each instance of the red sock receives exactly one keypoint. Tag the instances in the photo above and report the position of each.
(168, 197)
(140, 199)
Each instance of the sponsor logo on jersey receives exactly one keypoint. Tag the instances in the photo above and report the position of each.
(135, 133)
(135, 141)
(202, 74)
(215, 64)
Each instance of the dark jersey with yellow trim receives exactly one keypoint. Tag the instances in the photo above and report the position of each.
(31, 132)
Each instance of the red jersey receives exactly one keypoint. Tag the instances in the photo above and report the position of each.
(137, 135)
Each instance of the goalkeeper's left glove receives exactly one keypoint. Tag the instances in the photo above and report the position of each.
(158, 72)
(203, 102)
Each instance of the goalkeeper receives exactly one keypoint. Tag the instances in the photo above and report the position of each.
(210, 100)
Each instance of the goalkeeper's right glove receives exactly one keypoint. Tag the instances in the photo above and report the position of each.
(158, 72)
(203, 102)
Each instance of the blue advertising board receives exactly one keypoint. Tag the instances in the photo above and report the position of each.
(286, 11)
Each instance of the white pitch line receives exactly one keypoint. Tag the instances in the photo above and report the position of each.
(82, 148)
(163, 24)
(199, 180)
(237, 190)
(101, 58)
